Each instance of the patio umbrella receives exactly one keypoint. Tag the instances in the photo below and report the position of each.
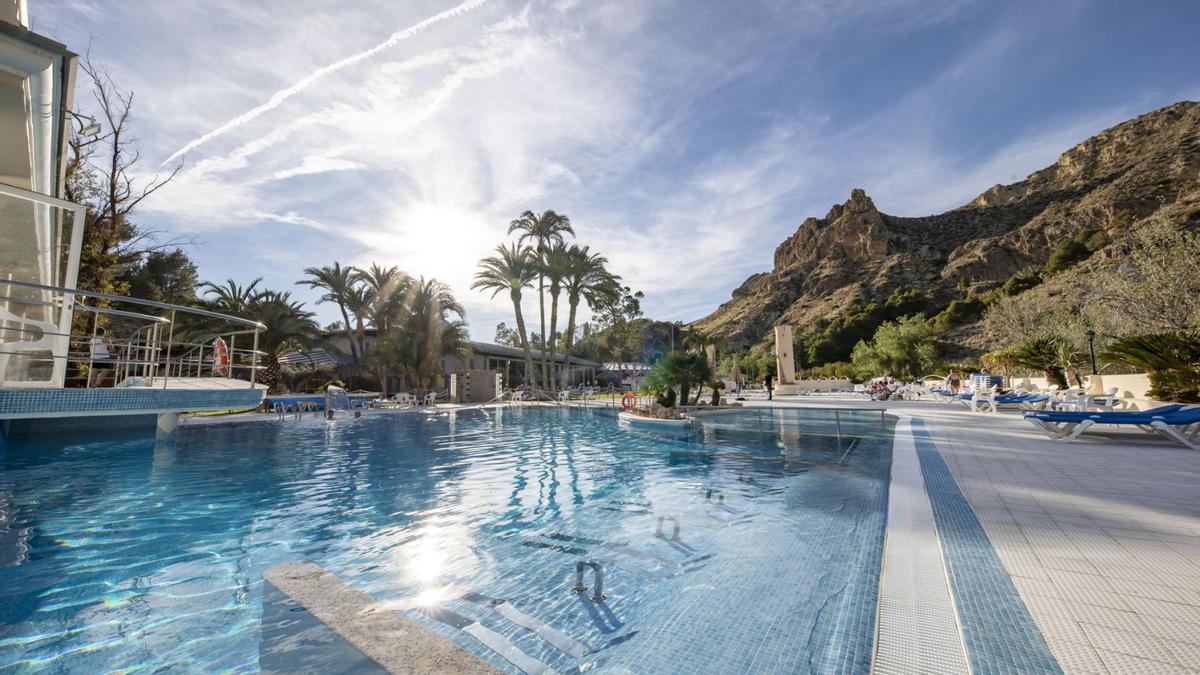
(735, 374)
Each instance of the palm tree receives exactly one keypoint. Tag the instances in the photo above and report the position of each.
(389, 285)
(588, 279)
(289, 328)
(1043, 354)
(682, 369)
(288, 325)
(556, 263)
(512, 269)
(360, 298)
(429, 331)
(542, 230)
(231, 298)
(337, 282)
(701, 341)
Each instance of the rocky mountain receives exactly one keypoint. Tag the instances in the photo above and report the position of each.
(838, 276)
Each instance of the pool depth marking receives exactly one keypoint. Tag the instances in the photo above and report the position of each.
(917, 629)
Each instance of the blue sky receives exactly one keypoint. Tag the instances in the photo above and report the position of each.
(685, 139)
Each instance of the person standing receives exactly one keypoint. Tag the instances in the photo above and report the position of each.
(102, 353)
(770, 382)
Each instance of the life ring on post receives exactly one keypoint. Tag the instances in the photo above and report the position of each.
(220, 357)
(629, 401)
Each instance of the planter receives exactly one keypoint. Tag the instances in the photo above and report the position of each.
(652, 422)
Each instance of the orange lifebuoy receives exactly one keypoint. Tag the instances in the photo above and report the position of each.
(629, 401)
(220, 357)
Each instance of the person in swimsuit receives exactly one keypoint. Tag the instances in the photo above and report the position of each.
(953, 379)
(102, 355)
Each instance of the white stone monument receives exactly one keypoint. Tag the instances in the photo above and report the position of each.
(785, 364)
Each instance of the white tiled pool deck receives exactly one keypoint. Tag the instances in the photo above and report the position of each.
(1101, 536)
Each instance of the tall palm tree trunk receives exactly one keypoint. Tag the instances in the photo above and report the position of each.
(542, 315)
(271, 374)
(360, 334)
(516, 300)
(553, 326)
(569, 340)
(349, 333)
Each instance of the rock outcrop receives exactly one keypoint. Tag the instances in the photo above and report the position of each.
(856, 253)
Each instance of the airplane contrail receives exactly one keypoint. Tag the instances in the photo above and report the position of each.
(284, 94)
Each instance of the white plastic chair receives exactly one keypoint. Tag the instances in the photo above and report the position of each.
(431, 398)
(1106, 402)
(1071, 398)
(983, 400)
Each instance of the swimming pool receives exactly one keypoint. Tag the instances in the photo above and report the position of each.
(116, 553)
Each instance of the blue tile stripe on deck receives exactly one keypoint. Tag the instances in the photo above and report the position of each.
(1000, 634)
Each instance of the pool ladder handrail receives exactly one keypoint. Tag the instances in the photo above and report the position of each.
(598, 578)
(658, 531)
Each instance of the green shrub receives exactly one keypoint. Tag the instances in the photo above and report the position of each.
(1019, 283)
(1096, 240)
(677, 369)
(958, 313)
(1171, 359)
(1047, 354)
(666, 399)
(1075, 250)
(831, 340)
(903, 348)
(1066, 255)
(1123, 219)
(1180, 386)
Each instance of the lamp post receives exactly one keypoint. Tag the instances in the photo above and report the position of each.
(89, 127)
(1091, 338)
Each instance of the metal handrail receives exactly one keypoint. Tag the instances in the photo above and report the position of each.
(142, 353)
(135, 301)
(88, 308)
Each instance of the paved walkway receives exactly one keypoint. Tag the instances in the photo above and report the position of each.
(1101, 536)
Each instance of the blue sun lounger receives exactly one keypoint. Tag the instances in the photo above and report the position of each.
(994, 403)
(1176, 422)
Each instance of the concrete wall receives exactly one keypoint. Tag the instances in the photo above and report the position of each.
(476, 386)
(1132, 388)
(825, 385)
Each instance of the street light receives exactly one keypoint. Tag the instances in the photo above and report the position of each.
(1091, 338)
(91, 128)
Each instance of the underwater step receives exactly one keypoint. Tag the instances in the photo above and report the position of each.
(394, 641)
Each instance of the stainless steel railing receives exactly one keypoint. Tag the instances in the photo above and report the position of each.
(157, 347)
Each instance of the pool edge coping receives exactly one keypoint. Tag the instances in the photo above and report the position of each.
(915, 630)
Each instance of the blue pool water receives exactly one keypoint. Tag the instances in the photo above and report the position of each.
(116, 553)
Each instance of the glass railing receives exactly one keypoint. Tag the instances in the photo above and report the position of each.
(42, 244)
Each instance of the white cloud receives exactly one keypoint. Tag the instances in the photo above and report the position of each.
(683, 143)
(279, 97)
